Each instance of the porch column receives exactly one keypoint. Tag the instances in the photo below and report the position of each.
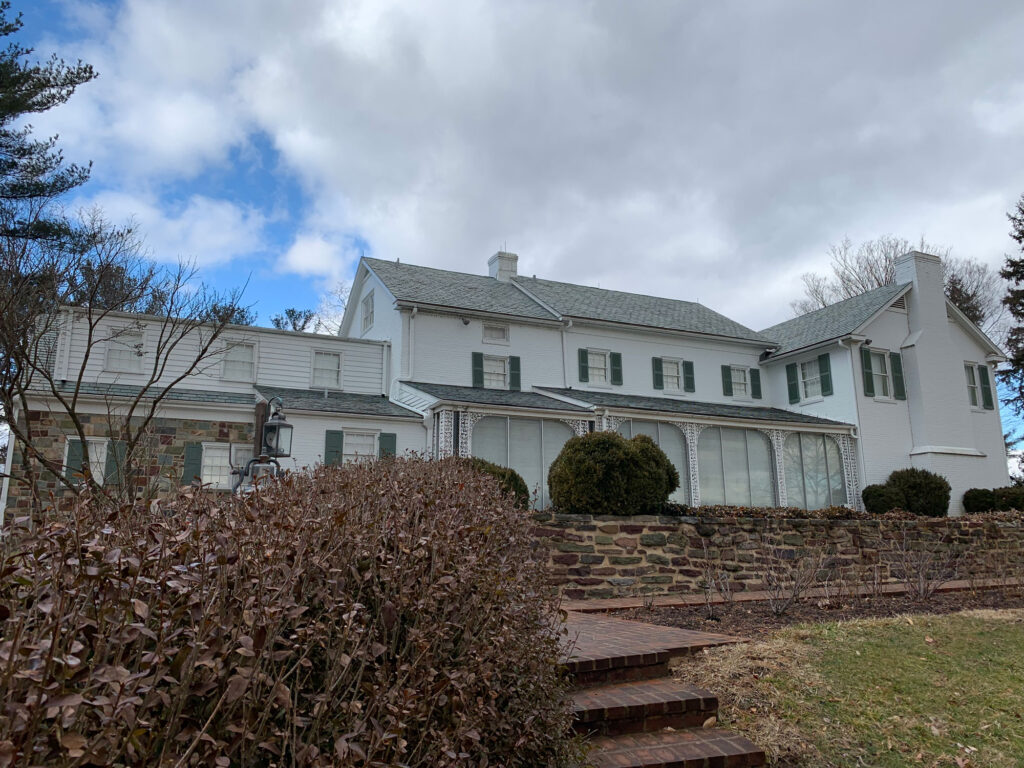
(467, 421)
(691, 432)
(446, 434)
(850, 472)
(778, 441)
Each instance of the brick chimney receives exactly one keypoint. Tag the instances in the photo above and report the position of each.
(503, 266)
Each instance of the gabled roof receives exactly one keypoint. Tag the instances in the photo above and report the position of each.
(691, 407)
(589, 303)
(834, 321)
(500, 397)
(458, 290)
(336, 402)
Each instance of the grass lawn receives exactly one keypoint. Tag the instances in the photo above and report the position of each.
(917, 690)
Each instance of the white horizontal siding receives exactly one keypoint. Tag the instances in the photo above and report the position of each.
(310, 431)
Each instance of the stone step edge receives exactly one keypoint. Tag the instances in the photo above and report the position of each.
(687, 748)
(670, 698)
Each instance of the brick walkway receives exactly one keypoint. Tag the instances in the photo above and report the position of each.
(636, 715)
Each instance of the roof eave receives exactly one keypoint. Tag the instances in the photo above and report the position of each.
(761, 343)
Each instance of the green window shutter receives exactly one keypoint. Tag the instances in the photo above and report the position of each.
(689, 384)
(192, 469)
(387, 444)
(657, 373)
(755, 383)
(478, 369)
(514, 375)
(825, 371)
(584, 365)
(986, 388)
(334, 445)
(865, 364)
(615, 363)
(793, 383)
(113, 472)
(899, 390)
(73, 466)
(727, 380)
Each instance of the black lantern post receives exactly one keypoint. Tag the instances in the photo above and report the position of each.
(277, 433)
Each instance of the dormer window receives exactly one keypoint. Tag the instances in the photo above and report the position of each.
(239, 362)
(367, 312)
(125, 351)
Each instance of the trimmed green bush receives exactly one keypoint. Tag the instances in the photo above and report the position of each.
(603, 473)
(1010, 497)
(881, 498)
(924, 493)
(979, 500)
(510, 481)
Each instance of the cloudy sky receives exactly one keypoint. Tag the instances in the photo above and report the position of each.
(702, 150)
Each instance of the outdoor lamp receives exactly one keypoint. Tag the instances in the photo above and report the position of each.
(277, 433)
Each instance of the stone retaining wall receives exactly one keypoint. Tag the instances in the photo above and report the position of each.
(603, 556)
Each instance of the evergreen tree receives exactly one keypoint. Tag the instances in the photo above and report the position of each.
(1013, 272)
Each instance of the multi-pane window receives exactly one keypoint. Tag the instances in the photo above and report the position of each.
(810, 379)
(495, 334)
(597, 366)
(670, 374)
(367, 311)
(218, 461)
(240, 362)
(973, 390)
(359, 445)
(124, 352)
(97, 456)
(880, 374)
(739, 382)
(495, 372)
(327, 369)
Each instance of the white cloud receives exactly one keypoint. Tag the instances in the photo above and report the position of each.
(314, 255)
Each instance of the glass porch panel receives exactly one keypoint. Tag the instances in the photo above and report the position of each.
(625, 428)
(673, 443)
(490, 440)
(709, 462)
(649, 428)
(525, 455)
(759, 461)
(792, 463)
(836, 477)
(737, 475)
(556, 434)
(815, 470)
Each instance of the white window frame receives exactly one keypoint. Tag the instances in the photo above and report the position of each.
(745, 382)
(313, 369)
(808, 378)
(230, 347)
(504, 374)
(235, 461)
(347, 434)
(96, 456)
(503, 341)
(605, 354)
(882, 376)
(678, 376)
(116, 343)
(973, 386)
(366, 312)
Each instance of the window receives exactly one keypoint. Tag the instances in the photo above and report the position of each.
(597, 366)
(359, 445)
(810, 379)
(880, 374)
(495, 334)
(973, 391)
(240, 362)
(495, 372)
(814, 471)
(327, 369)
(735, 467)
(97, 457)
(367, 314)
(218, 461)
(739, 382)
(670, 374)
(124, 351)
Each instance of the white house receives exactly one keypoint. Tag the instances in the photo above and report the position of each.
(508, 368)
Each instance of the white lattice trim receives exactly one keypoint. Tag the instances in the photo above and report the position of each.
(851, 475)
(446, 433)
(691, 431)
(579, 427)
(778, 441)
(466, 424)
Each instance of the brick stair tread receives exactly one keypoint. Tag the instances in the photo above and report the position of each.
(689, 748)
(641, 699)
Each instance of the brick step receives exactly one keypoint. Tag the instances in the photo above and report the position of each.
(618, 669)
(691, 748)
(642, 706)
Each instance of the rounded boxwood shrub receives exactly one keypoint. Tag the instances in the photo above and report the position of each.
(510, 481)
(979, 500)
(924, 493)
(881, 498)
(603, 473)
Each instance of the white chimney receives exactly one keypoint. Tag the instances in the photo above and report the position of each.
(503, 266)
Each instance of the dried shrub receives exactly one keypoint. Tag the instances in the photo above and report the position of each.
(925, 564)
(790, 574)
(387, 613)
(509, 481)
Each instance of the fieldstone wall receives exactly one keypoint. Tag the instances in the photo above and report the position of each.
(603, 556)
(160, 457)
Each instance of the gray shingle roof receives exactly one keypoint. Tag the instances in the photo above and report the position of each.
(834, 321)
(690, 407)
(441, 287)
(175, 395)
(336, 402)
(500, 397)
(635, 309)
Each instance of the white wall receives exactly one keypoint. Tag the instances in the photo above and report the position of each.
(309, 434)
(839, 406)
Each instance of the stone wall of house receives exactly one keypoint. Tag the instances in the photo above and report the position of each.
(602, 556)
(159, 458)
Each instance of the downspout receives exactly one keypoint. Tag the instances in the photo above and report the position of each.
(566, 325)
(386, 373)
(412, 342)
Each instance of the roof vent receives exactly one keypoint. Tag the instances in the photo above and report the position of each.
(503, 266)
(900, 303)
